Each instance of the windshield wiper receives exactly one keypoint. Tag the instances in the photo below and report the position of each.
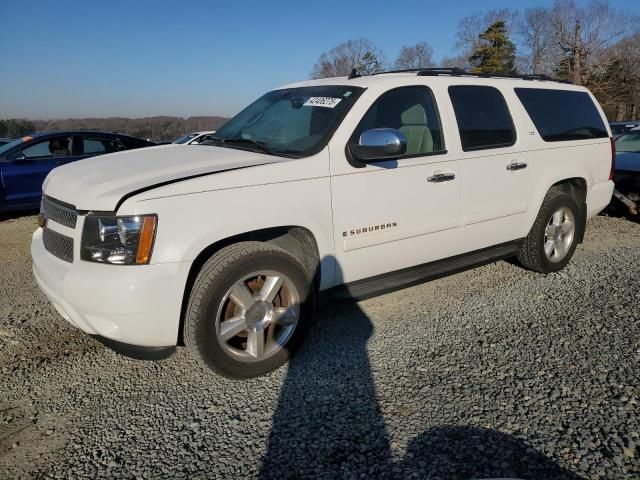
(254, 143)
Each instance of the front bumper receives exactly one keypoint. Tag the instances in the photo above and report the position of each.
(134, 307)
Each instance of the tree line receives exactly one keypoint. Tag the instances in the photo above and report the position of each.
(594, 45)
(153, 128)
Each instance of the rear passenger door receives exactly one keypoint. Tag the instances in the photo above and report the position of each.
(495, 179)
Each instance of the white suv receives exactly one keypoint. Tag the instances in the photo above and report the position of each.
(353, 185)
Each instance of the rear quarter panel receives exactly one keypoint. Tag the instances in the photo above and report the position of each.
(553, 162)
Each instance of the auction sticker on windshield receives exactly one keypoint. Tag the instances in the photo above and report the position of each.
(328, 102)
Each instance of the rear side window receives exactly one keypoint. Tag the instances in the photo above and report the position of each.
(561, 115)
(96, 145)
(483, 118)
(130, 142)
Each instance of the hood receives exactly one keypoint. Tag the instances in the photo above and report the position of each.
(99, 183)
(628, 161)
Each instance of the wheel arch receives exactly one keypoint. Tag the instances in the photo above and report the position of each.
(298, 241)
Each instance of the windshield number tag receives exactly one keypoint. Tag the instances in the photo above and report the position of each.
(328, 102)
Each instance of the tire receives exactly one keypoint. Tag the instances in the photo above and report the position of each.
(272, 332)
(534, 253)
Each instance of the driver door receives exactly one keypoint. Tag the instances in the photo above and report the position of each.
(396, 214)
(25, 169)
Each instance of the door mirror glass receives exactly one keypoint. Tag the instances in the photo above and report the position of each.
(379, 144)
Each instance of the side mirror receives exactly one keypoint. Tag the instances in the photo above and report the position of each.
(379, 144)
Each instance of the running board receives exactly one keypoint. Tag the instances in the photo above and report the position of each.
(408, 277)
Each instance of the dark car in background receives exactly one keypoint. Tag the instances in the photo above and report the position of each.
(25, 162)
(626, 195)
(619, 128)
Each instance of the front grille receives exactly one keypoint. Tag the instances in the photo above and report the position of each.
(59, 212)
(57, 244)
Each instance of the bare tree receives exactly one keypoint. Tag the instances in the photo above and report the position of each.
(360, 54)
(585, 34)
(616, 81)
(536, 36)
(416, 56)
(459, 61)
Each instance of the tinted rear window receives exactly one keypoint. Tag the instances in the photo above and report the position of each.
(483, 118)
(561, 115)
(131, 142)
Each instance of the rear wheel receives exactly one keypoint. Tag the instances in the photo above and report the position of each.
(553, 237)
(248, 310)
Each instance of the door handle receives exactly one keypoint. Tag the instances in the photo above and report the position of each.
(441, 177)
(516, 166)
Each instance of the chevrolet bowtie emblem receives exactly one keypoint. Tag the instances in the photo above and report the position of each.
(42, 220)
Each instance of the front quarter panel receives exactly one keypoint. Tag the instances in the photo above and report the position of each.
(194, 214)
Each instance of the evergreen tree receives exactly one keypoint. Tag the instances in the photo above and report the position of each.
(369, 64)
(495, 53)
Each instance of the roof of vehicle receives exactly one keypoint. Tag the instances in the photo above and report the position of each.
(77, 132)
(452, 76)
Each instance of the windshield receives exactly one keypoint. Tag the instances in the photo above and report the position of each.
(186, 138)
(629, 142)
(295, 122)
(10, 145)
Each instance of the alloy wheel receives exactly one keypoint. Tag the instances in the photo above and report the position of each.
(559, 234)
(257, 316)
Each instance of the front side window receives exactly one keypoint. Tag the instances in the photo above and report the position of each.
(562, 115)
(483, 118)
(295, 122)
(54, 147)
(412, 111)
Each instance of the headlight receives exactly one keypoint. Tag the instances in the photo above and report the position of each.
(118, 240)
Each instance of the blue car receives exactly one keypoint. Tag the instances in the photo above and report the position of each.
(24, 163)
(627, 174)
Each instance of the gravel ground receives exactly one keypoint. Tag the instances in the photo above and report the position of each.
(494, 372)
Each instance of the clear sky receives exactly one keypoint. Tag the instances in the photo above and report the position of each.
(63, 58)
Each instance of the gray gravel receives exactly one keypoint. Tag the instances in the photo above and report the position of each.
(495, 372)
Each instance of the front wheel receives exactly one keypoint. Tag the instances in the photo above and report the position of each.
(553, 237)
(248, 310)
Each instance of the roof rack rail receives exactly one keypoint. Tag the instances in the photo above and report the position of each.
(441, 71)
(402, 70)
(459, 72)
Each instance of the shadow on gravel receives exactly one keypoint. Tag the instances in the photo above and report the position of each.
(13, 215)
(328, 423)
(469, 452)
(620, 213)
